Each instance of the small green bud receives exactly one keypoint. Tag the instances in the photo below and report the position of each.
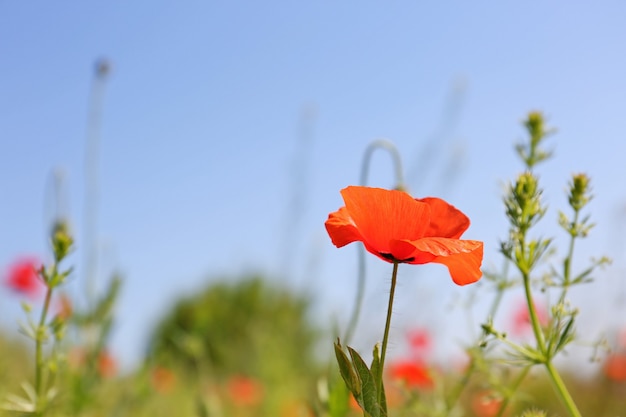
(579, 191)
(523, 204)
(530, 152)
(535, 124)
(62, 240)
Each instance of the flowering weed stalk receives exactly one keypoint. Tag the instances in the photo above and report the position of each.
(524, 209)
(42, 392)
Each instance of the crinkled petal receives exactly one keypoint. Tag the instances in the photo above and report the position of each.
(445, 219)
(341, 229)
(462, 257)
(381, 216)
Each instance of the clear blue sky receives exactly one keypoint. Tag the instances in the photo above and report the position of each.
(218, 115)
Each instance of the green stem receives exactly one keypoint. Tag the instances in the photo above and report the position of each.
(39, 340)
(394, 276)
(561, 389)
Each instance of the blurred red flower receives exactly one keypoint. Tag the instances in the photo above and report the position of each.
(412, 373)
(22, 277)
(107, 365)
(615, 367)
(245, 391)
(398, 228)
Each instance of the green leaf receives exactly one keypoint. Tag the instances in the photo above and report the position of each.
(368, 400)
(347, 371)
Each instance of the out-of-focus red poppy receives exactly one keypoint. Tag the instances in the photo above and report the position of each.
(398, 228)
(245, 391)
(486, 404)
(22, 277)
(521, 319)
(615, 367)
(412, 373)
(107, 365)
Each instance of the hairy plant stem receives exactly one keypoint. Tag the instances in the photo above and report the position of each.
(394, 276)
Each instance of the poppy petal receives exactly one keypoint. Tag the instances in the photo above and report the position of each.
(445, 219)
(385, 215)
(341, 228)
(462, 257)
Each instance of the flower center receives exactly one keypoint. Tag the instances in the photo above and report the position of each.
(390, 257)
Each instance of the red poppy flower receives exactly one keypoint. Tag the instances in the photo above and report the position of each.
(413, 374)
(22, 277)
(398, 228)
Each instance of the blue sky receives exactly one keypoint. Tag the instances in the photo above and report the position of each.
(217, 116)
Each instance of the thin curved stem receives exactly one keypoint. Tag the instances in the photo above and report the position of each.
(361, 275)
(395, 157)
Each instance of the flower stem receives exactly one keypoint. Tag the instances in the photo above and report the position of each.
(394, 276)
(39, 340)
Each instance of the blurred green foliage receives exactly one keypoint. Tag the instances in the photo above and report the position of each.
(249, 327)
(244, 326)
